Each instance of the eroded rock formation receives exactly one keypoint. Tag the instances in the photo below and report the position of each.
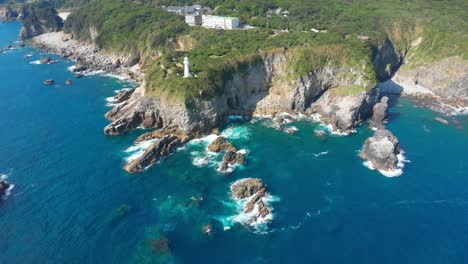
(159, 149)
(255, 191)
(381, 150)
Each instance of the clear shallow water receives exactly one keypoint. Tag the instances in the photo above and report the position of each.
(72, 202)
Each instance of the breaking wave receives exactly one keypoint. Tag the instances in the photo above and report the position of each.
(137, 150)
(391, 173)
(240, 217)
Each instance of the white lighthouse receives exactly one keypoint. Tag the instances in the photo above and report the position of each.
(186, 68)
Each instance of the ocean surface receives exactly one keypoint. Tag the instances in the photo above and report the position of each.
(73, 203)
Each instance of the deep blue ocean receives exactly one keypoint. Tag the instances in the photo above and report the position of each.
(73, 203)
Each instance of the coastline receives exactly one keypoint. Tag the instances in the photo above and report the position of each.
(86, 56)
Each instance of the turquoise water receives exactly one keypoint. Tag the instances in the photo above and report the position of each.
(72, 202)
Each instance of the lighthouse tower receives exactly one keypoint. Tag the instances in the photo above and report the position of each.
(186, 68)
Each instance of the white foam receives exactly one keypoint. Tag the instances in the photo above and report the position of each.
(35, 62)
(237, 132)
(200, 161)
(241, 217)
(118, 77)
(454, 110)
(338, 132)
(291, 130)
(137, 150)
(4, 177)
(320, 154)
(391, 173)
(243, 151)
(71, 68)
(204, 141)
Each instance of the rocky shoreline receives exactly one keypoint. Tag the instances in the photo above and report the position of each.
(87, 57)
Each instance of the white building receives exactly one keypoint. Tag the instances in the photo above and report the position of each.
(194, 20)
(220, 22)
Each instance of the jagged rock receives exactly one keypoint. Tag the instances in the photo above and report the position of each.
(47, 60)
(184, 138)
(207, 229)
(79, 68)
(231, 158)
(445, 80)
(380, 112)
(8, 14)
(39, 18)
(382, 149)
(124, 125)
(138, 111)
(254, 190)
(159, 149)
(49, 82)
(4, 186)
(345, 112)
(246, 187)
(123, 95)
(221, 144)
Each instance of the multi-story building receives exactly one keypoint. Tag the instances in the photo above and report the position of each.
(194, 20)
(220, 22)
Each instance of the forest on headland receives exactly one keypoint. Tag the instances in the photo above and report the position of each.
(352, 33)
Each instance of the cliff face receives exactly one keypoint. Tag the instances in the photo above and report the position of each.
(8, 14)
(39, 18)
(446, 78)
(267, 87)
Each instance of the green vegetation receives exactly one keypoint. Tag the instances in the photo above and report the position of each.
(421, 30)
(43, 12)
(124, 27)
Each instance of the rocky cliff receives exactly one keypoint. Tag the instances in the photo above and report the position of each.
(447, 79)
(341, 94)
(39, 18)
(8, 14)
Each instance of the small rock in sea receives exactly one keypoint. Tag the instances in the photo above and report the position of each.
(4, 186)
(49, 82)
(320, 133)
(441, 120)
(22, 45)
(255, 191)
(79, 75)
(382, 150)
(207, 229)
(47, 60)
(221, 144)
(68, 82)
(291, 130)
(1, 51)
(10, 47)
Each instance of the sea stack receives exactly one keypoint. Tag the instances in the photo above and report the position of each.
(254, 191)
(381, 152)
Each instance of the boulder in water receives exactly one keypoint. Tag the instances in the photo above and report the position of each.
(255, 191)
(381, 150)
(4, 186)
(49, 82)
(221, 144)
